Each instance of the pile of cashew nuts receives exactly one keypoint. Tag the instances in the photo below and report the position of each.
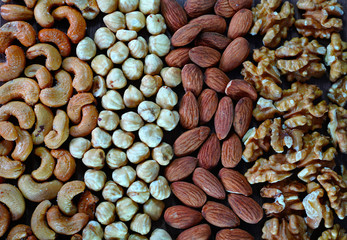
(48, 113)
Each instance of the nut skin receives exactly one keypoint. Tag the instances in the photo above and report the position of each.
(210, 152)
(192, 79)
(196, 8)
(216, 79)
(175, 16)
(237, 89)
(208, 104)
(223, 9)
(223, 119)
(178, 57)
(240, 24)
(87, 204)
(220, 215)
(212, 39)
(204, 56)
(189, 194)
(185, 35)
(181, 217)
(234, 182)
(201, 232)
(208, 183)
(234, 54)
(180, 168)
(211, 23)
(239, 4)
(243, 116)
(231, 151)
(233, 234)
(189, 111)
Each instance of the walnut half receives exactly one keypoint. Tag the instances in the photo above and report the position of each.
(337, 126)
(338, 92)
(336, 57)
(336, 233)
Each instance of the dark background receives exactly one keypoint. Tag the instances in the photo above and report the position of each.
(255, 42)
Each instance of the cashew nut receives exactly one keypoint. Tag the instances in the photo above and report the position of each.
(20, 110)
(24, 88)
(66, 165)
(88, 123)
(14, 65)
(66, 194)
(89, 8)
(47, 165)
(83, 80)
(87, 204)
(24, 145)
(8, 131)
(60, 132)
(38, 192)
(44, 123)
(5, 219)
(42, 12)
(21, 231)
(75, 105)
(59, 38)
(10, 169)
(39, 224)
(53, 61)
(42, 74)
(66, 225)
(6, 147)
(14, 12)
(60, 94)
(78, 25)
(13, 199)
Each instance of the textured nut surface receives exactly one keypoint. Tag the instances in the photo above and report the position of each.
(182, 217)
(189, 194)
(219, 215)
(208, 183)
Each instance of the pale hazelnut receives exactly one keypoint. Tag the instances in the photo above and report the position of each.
(159, 45)
(101, 138)
(105, 213)
(118, 53)
(112, 192)
(153, 64)
(163, 154)
(132, 97)
(104, 38)
(149, 111)
(108, 120)
(126, 6)
(138, 47)
(155, 24)
(149, 6)
(115, 21)
(124, 176)
(168, 119)
(160, 234)
(138, 152)
(95, 179)
(135, 20)
(132, 69)
(126, 209)
(126, 35)
(101, 65)
(151, 134)
(137, 237)
(86, 49)
(160, 188)
(92, 231)
(141, 223)
(150, 85)
(99, 86)
(116, 79)
(171, 76)
(154, 208)
(112, 100)
(138, 192)
(94, 158)
(78, 146)
(166, 98)
(122, 139)
(131, 122)
(116, 230)
(107, 6)
(148, 170)
(116, 158)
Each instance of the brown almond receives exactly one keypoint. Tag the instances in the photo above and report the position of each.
(237, 89)
(231, 151)
(180, 168)
(222, 8)
(174, 14)
(240, 23)
(209, 183)
(189, 194)
(233, 234)
(204, 56)
(189, 111)
(212, 39)
(185, 35)
(192, 79)
(191, 140)
(219, 215)
(234, 182)
(246, 208)
(216, 79)
(196, 8)
(243, 116)
(223, 119)
(200, 232)
(211, 23)
(239, 4)
(182, 217)
(209, 153)
(236, 53)
(178, 57)
(208, 103)
(14, 12)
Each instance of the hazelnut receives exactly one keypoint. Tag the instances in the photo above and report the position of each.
(138, 47)
(132, 69)
(135, 20)
(112, 100)
(126, 35)
(131, 121)
(132, 97)
(149, 111)
(153, 64)
(151, 135)
(94, 179)
(148, 171)
(101, 138)
(78, 146)
(163, 154)
(171, 76)
(122, 139)
(126, 6)
(104, 38)
(159, 45)
(93, 231)
(86, 49)
(116, 230)
(166, 98)
(115, 21)
(105, 213)
(138, 152)
(160, 234)
(141, 223)
(137, 237)
(99, 86)
(107, 6)
(124, 176)
(154, 208)
(116, 79)
(126, 209)
(112, 192)
(149, 6)
(116, 158)
(101, 65)
(94, 158)
(118, 53)
(150, 85)
(138, 192)
(168, 120)
(155, 24)
(108, 120)
(160, 188)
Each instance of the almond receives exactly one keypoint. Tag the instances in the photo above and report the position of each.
(178, 57)
(189, 194)
(209, 183)
(209, 153)
(208, 103)
(216, 79)
(240, 23)
(204, 56)
(222, 8)
(243, 116)
(174, 14)
(220, 215)
(191, 140)
(211, 23)
(180, 168)
(231, 151)
(233, 234)
(185, 35)
(182, 217)
(237, 89)
(246, 208)
(189, 111)
(239, 4)
(200, 232)
(223, 119)
(196, 8)
(234, 182)
(192, 79)
(212, 39)
(234, 54)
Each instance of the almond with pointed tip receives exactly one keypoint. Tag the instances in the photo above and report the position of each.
(182, 217)
(185, 35)
(192, 79)
(234, 182)
(208, 103)
(223, 119)
(204, 57)
(222, 8)
(211, 23)
(243, 116)
(209, 183)
(239, 4)
(174, 14)
(189, 111)
(233, 234)
(235, 54)
(209, 153)
(189, 194)
(237, 89)
(212, 39)
(200, 232)
(231, 151)
(216, 79)
(219, 215)
(196, 8)
(178, 57)
(240, 23)
(180, 168)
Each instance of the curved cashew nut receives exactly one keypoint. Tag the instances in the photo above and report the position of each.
(14, 65)
(66, 165)
(89, 8)
(13, 199)
(47, 165)
(44, 123)
(60, 132)
(66, 225)
(42, 12)
(8, 131)
(66, 194)
(14, 12)
(87, 204)
(43, 76)
(6, 147)
(23, 31)
(38, 192)
(75, 106)
(5, 219)
(88, 123)
(38, 221)
(24, 145)
(21, 111)
(53, 61)
(59, 38)
(24, 88)
(60, 94)
(83, 80)
(78, 25)
(10, 169)
(21, 231)
(28, 3)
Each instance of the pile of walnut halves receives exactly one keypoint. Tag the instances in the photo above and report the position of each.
(307, 188)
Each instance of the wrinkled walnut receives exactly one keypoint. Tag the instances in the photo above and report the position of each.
(337, 126)
(336, 57)
(336, 233)
(338, 92)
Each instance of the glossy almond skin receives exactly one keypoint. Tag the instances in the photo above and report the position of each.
(212, 39)
(189, 111)
(240, 23)
(237, 89)
(222, 8)
(239, 4)
(231, 151)
(200, 232)
(216, 79)
(204, 56)
(219, 215)
(235, 54)
(185, 35)
(246, 208)
(209, 153)
(182, 217)
(223, 119)
(192, 78)
(209, 183)
(233, 234)
(243, 116)
(174, 14)
(211, 23)
(196, 8)
(208, 103)
(189, 194)
(180, 168)
(178, 57)
(234, 182)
